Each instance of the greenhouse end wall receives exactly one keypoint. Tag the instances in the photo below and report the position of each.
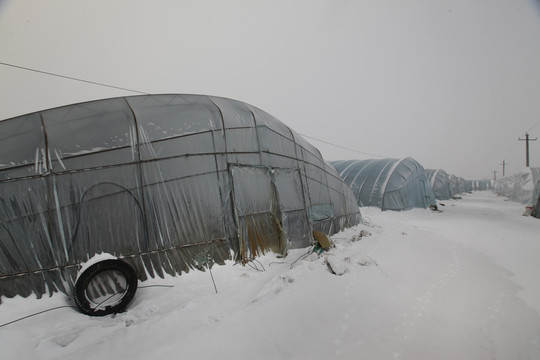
(164, 182)
(439, 181)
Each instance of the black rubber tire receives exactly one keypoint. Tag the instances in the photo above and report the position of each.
(129, 287)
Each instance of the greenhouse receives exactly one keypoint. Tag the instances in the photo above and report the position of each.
(459, 185)
(462, 185)
(536, 212)
(389, 184)
(166, 183)
(523, 187)
(481, 185)
(439, 180)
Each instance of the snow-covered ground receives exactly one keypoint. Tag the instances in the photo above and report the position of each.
(460, 284)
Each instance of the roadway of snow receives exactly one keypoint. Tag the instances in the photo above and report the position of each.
(461, 284)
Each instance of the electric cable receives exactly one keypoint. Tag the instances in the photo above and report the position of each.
(213, 281)
(254, 266)
(106, 299)
(263, 269)
(303, 256)
(73, 78)
(532, 127)
(40, 312)
(343, 147)
(146, 93)
(66, 306)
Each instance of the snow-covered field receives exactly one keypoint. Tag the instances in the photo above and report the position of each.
(460, 284)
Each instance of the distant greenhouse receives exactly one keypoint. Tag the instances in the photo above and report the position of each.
(445, 186)
(390, 184)
(462, 185)
(439, 180)
(459, 185)
(537, 208)
(454, 184)
(166, 183)
(482, 185)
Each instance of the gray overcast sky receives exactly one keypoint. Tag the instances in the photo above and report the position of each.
(451, 83)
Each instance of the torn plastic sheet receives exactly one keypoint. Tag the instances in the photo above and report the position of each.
(157, 181)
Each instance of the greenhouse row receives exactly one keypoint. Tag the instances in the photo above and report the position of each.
(96, 196)
(401, 184)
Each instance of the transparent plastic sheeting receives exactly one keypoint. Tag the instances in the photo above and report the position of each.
(439, 180)
(481, 185)
(456, 184)
(523, 187)
(459, 185)
(537, 208)
(158, 181)
(389, 184)
(445, 186)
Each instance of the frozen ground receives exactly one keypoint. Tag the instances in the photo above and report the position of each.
(461, 284)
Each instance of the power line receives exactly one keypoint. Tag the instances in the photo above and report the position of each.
(73, 78)
(532, 127)
(37, 313)
(145, 93)
(512, 151)
(342, 147)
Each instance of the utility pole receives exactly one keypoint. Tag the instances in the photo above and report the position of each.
(494, 175)
(504, 163)
(527, 147)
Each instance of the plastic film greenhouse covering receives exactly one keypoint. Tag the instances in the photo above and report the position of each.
(537, 208)
(158, 181)
(459, 185)
(482, 185)
(389, 184)
(523, 187)
(439, 180)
